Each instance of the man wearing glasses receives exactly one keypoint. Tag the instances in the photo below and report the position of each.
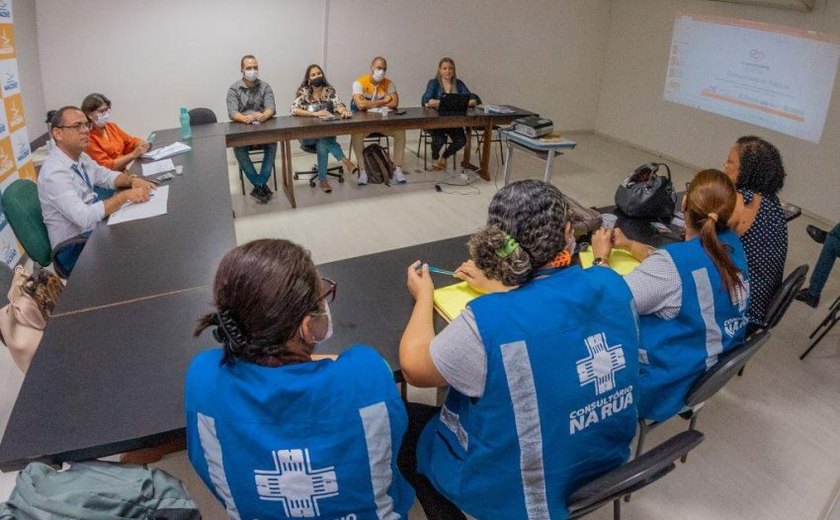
(375, 91)
(69, 204)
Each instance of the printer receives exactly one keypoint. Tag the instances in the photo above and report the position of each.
(533, 126)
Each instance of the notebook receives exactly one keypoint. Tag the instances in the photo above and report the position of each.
(452, 299)
(621, 261)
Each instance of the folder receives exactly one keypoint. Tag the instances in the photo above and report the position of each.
(452, 299)
(621, 261)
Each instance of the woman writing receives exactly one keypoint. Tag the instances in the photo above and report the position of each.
(317, 98)
(267, 421)
(691, 296)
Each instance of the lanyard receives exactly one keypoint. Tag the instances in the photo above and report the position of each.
(82, 173)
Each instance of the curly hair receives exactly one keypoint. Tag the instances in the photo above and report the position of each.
(262, 292)
(761, 168)
(534, 214)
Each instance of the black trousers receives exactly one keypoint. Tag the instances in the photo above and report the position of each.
(435, 505)
(458, 137)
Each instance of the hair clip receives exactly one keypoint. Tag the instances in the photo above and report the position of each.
(508, 247)
(227, 331)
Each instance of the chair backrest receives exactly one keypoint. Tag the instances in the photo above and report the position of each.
(727, 366)
(784, 296)
(202, 116)
(308, 145)
(636, 474)
(23, 212)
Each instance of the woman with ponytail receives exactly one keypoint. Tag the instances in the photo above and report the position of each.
(691, 296)
(263, 412)
(527, 365)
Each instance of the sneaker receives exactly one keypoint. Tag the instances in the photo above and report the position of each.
(267, 191)
(399, 176)
(804, 295)
(259, 196)
(817, 234)
(362, 178)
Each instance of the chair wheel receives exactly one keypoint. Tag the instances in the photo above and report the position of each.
(311, 184)
(297, 177)
(341, 179)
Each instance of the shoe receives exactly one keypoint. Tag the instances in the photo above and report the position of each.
(267, 191)
(817, 234)
(362, 178)
(259, 196)
(399, 176)
(325, 186)
(804, 295)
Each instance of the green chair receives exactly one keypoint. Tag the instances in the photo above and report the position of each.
(23, 212)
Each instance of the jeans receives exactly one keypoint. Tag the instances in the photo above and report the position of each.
(830, 251)
(67, 257)
(323, 148)
(247, 165)
(459, 139)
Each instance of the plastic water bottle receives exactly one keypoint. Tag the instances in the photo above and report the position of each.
(186, 130)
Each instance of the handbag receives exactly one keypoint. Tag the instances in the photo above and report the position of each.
(646, 194)
(22, 321)
(584, 220)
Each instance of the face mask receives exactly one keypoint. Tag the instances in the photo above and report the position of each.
(378, 75)
(252, 74)
(571, 245)
(329, 332)
(318, 82)
(101, 119)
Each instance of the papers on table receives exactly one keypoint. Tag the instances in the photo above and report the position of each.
(450, 301)
(621, 261)
(166, 151)
(154, 207)
(154, 168)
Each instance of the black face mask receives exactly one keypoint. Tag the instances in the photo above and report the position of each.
(318, 82)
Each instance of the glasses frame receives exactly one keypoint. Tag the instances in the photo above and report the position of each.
(329, 294)
(78, 126)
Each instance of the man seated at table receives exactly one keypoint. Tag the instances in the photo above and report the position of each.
(370, 91)
(251, 101)
(69, 205)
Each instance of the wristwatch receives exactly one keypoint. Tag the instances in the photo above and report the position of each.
(598, 261)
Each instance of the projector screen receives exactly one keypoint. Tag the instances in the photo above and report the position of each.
(772, 76)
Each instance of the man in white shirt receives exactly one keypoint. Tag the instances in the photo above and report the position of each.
(69, 205)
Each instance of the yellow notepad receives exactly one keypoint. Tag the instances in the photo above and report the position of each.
(452, 299)
(621, 261)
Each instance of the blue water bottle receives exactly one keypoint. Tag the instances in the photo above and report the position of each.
(186, 131)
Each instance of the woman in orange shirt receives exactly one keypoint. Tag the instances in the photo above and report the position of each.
(109, 144)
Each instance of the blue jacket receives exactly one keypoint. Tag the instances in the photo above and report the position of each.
(677, 351)
(558, 408)
(434, 90)
(311, 440)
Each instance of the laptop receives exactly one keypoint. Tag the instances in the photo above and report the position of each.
(454, 104)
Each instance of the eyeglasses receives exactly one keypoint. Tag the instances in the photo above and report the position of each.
(78, 126)
(329, 294)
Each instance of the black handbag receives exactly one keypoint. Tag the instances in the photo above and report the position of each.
(646, 194)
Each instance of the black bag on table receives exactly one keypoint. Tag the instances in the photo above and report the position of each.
(378, 164)
(646, 194)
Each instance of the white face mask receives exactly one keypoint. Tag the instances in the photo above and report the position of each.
(101, 119)
(378, 75)
(252, 74)
(329, 332)
(571, 245)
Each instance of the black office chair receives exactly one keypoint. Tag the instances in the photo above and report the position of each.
(309, 146)
(633, 476)
(202, 116)
(709, 384)
(425, 143)
(826, 325)
(375, 137)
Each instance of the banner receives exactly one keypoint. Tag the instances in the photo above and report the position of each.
(15, 155)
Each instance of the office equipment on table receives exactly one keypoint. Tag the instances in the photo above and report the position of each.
(533, 126)
(496, 109)
(544, 150)
(451, 300)
(155, 206)
(454, 104)
(620, 261)
(169, 150)
(156, 167)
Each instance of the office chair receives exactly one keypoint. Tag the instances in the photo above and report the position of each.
(202, 116)
(632, 476)
(708, 385)
(23, 212)
(309, 146)
(828, 322)
(426, 142)
(375, 137)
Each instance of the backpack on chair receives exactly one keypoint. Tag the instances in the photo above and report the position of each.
(378, 164)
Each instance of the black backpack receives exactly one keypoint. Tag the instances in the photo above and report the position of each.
(378, 164)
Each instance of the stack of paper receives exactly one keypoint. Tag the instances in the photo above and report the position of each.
(451, 300)
(166, 151)
(153, 168)
(155, 206)
(621, 261)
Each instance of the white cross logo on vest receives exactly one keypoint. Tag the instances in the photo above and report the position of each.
(601, 364)
(294, 483)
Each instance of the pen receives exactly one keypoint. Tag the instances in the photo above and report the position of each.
(433, 269)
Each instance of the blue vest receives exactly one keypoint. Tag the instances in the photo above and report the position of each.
(310, 440)
(677, 351)
(558, 407)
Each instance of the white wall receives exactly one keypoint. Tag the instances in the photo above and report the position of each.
(545, 55)
(29, 67)
(632, 108)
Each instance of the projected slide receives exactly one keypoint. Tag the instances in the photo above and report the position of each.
(776, 77)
